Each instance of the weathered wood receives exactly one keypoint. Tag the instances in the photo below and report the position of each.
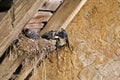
(27, 5)
(2, 15)
(35, 26)
(51, 5)
(25, 72)
(13, 34)
(64, 15)
(7, 35)
(41, 16)
(19, 12)
(10, 69)
(36, 23)
(7, 62)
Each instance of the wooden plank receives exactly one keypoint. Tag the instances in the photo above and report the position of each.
(17, 9)
(64, 15)
(2, 15)
(41, 16)
(36, 22)
(25, 72)
(35, 26)
(7, 63)
(27, 5)
(4, 65)
(51, 5)
(9, 70)
(5, 24)
(7, 40)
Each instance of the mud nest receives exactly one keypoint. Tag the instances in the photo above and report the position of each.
(31, 50)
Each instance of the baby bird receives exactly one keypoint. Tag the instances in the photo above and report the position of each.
(31, 34)
(51, 35)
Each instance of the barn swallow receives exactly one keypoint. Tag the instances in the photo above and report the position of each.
(31, 34)
(63, 39)
(60, 37)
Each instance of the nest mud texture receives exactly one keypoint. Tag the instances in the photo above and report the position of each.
(32, 50)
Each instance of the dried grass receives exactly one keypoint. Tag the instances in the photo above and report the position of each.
(32, 50)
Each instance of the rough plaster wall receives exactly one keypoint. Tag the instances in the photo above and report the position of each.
(94, 35)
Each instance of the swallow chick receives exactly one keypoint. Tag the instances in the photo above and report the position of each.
(31, 34)
(51, 35)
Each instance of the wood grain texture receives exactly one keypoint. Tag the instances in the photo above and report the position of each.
(64, 15)
(41, 16)
(26, 71)
(51, 5)
(8, 34)
(2, 14)
(34, 26)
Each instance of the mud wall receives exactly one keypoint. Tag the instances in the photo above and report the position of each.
(94, 36)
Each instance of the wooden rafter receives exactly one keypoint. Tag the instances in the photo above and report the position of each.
(64, 15)
(22, 15)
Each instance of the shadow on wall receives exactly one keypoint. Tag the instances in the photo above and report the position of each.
(5, 5)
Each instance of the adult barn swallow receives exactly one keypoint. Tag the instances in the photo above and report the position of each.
(60, 37)
(63, 39)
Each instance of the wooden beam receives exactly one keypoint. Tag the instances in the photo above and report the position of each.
(25, 72)
(41, 16)
(22, 16)
(51, 5)
(64, 15)
(8, 70)
(2, 15)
